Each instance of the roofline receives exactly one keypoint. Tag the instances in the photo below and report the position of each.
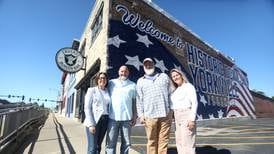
(261, 96)
(169, 16)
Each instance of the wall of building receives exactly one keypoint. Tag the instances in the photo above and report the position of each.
(264, 105)
(139, 29)
(96, 48)
(70, 111)
(222, 87)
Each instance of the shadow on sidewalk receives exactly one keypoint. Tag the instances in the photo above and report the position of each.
(31, 138)
(203, 150)
(60, 126)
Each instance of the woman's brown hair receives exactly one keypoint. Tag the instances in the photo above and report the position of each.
(98, 76)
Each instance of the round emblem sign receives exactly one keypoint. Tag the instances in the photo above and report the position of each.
(69, 60)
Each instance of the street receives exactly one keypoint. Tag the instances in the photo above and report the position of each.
(244, 136)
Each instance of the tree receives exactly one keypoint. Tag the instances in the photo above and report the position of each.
(273, 97)
(261, 92)
(258, 91)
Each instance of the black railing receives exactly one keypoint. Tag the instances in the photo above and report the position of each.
(15, 119)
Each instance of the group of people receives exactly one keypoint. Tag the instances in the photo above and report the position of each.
(113, 106)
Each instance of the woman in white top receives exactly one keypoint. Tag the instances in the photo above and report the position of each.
(184, 104)
(97, 100)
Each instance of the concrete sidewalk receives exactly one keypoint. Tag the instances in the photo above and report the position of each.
(61, 135)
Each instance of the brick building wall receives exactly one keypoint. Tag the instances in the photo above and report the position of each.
(264, 106)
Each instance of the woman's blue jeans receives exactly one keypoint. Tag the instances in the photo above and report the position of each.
(95, 140)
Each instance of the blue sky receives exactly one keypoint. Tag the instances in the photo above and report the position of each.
(31, 32)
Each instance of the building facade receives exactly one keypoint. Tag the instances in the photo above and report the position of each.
(264, 105)
(122, 32)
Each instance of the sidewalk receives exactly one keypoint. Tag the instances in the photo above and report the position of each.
(61, 135)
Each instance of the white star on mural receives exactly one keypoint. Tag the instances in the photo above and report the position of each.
(109, 67)
(220, 113)
(178, 67)
(200, 117)
(116, 41)
(144, 39)
(134, 61)
(160, 64)
(211, 116)
(203, 100)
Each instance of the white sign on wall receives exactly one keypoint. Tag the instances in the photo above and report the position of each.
(69, 60)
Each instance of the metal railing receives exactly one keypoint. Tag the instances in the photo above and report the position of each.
(15, 118)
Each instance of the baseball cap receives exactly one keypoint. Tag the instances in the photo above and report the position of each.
(148, 59)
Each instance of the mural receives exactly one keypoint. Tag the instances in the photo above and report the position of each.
(222, 90)
(220, 87)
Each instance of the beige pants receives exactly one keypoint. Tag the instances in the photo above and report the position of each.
(157, 130)
(185, 138)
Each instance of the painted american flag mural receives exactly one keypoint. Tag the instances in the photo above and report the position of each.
(241, 100)
(220, 94)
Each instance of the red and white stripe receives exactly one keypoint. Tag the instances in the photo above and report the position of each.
(243, 105)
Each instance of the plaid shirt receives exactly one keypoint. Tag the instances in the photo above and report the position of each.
(153, 96)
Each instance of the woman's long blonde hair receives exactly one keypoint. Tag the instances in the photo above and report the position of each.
(182, 75)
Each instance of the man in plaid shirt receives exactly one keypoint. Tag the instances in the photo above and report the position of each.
(153, 107)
